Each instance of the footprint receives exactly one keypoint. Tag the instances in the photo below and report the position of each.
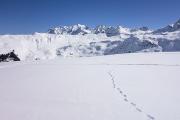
(139, 110)
(120, 91)
(126, 100)
(151, 117)
(133, 104)
(125, 95)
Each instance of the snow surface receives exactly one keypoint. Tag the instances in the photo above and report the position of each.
(136, 86)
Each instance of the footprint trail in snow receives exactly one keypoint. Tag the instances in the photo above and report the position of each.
(125, 98)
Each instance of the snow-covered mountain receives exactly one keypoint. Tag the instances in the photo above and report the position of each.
(170, 28)
(80, 40)
(72, 30)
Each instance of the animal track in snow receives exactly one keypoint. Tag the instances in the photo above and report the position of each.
(126, 100)
(133, 104)
(138, 109)
(121, 92)
(151, 117)
(112, 78)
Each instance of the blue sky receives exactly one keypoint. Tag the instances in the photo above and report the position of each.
(28, 16)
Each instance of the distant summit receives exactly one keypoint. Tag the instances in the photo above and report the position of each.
(169, 28)
(80, 40)
(101, 29)
(144, 28)
(109, 30)
(72, 30)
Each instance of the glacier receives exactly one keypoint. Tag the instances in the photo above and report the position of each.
(80, 40)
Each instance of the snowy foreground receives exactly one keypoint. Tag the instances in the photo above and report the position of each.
(136, 86)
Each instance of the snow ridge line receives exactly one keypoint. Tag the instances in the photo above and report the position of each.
(121, 92)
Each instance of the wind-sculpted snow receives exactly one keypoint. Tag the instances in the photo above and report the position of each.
(80, 40)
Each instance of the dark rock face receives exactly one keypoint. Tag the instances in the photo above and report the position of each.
(144, 28)
(71, 30)
(9, 57)
(108, 30)
(131, 44)
(111, 31)
(165, 29)
(176, 25)
(100, 29)
(169, 46)
(51, 31)
(169, 28)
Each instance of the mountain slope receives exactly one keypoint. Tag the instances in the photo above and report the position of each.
(80, 40)
(170, 28)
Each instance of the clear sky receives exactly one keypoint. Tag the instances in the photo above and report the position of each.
(28, 16)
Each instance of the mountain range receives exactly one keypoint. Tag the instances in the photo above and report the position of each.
(81, 40)
(110, 30)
